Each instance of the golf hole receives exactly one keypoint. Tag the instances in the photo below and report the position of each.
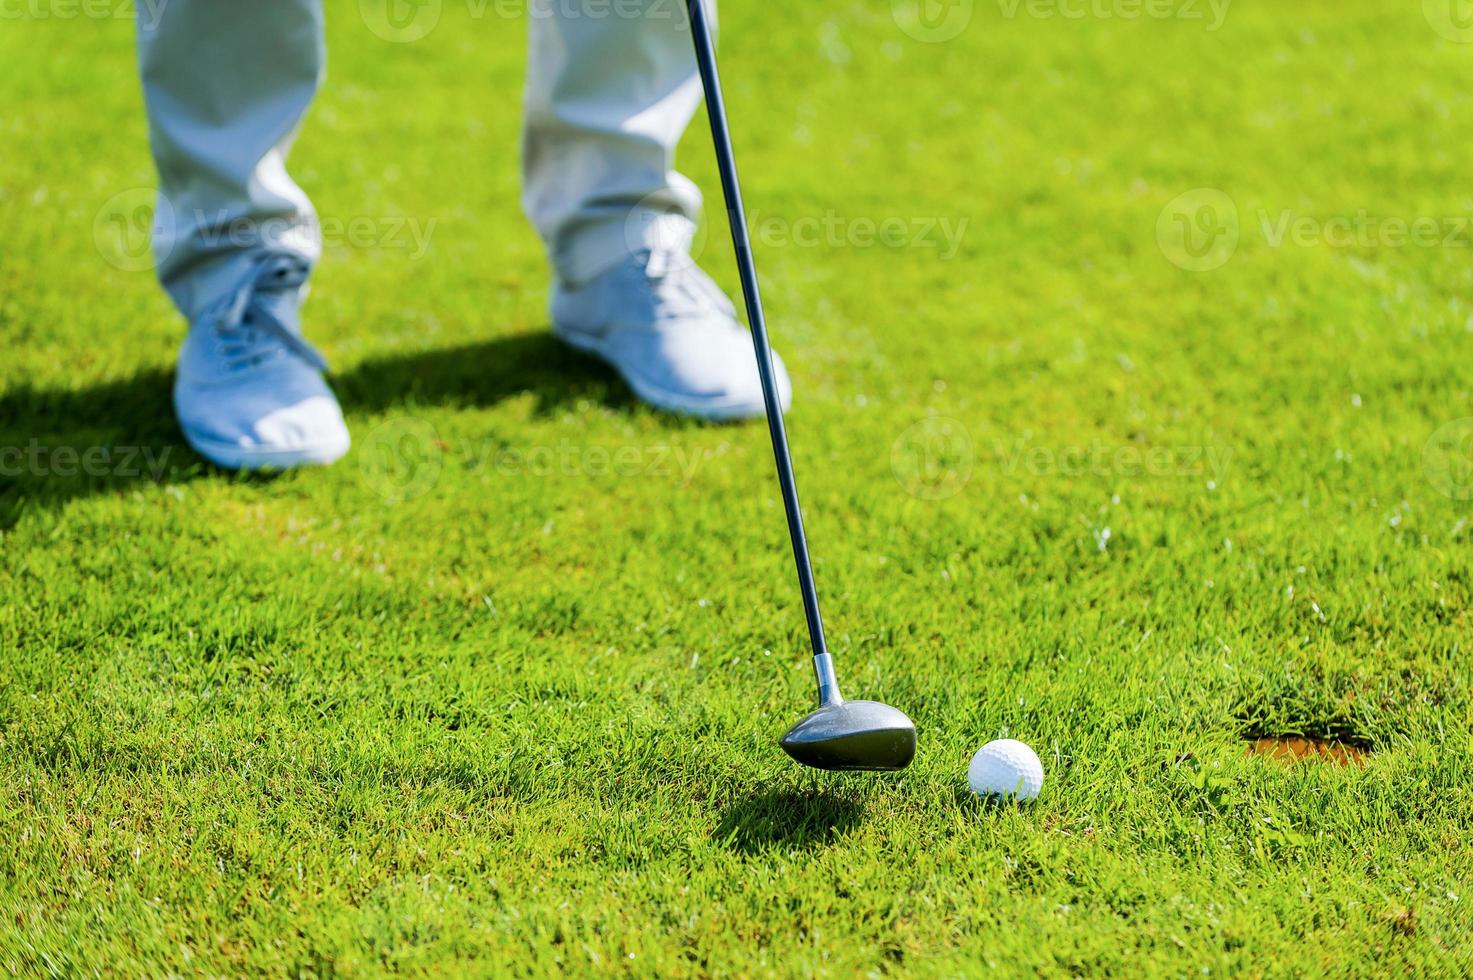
(1290, 749)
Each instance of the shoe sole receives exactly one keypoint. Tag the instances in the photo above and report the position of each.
(230, 457)
(710, 410)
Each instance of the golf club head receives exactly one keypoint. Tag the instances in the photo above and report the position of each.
(853, 735)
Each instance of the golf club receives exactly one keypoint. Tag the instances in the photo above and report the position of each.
(840, 734)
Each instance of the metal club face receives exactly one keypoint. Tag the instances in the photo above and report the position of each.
(853, 735)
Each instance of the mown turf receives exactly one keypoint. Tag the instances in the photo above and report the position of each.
(500, 692)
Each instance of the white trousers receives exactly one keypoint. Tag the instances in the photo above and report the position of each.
(610, 89)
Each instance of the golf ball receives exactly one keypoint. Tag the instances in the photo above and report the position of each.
(1007, 768)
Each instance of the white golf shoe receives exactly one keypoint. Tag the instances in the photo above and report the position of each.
(670, 332)
(249, 391)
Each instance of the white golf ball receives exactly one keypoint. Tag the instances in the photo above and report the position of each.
(1006, 768)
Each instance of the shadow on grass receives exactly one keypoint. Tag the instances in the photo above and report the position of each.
(969, 802)
(788, 818)
(483, 374)
(59, 444)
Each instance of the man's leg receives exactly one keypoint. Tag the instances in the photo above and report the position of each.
(226, 85)
(610, 90)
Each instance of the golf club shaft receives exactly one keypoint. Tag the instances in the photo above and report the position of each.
(737, 218)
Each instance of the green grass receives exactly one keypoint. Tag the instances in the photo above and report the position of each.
(483, 698)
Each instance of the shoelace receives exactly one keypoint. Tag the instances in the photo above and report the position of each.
(673, 274)
(247, 325)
